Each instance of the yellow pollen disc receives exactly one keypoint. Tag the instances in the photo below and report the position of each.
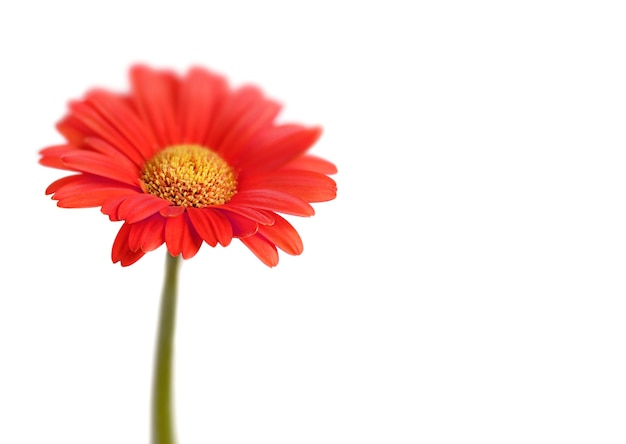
(190, 176)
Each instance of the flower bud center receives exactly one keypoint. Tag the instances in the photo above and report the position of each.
(189, 176)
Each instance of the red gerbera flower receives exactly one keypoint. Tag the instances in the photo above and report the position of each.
(182, 160)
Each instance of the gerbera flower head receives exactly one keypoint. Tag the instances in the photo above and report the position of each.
(183, 160)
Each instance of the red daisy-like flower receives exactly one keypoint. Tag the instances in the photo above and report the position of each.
(182, 160)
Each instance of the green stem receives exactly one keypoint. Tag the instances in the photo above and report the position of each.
(162, 417)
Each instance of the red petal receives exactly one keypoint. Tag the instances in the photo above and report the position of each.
(274, 148)
(147, 235)
(245, 122)
(273, 201)
(74, 130)
(110, 207)
(211, 225)
(121, 251)
(181, 238)
(174, 228)
(283, 235)
(140, 206)
(93, 199)
(242, 226)
(201, 92)
(313, 163)
(125, 120)
(51, 156)
(307, 185)
(77, 179)
(84, 183)
(192, 240)
(100, 165)
(259, 216)
(262, 248)
(81, 191)
(234, 105)
(113, 154)
(100, 128)
(172, 211)
(154, 94)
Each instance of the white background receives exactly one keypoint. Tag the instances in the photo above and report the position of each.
(466, 286)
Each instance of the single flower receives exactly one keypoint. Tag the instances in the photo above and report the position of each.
(184, 160)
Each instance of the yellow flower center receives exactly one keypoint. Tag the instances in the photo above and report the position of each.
(189, 176)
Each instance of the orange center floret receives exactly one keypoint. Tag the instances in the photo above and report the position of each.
(190, 176)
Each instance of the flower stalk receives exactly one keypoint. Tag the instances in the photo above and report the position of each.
(162, 411)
